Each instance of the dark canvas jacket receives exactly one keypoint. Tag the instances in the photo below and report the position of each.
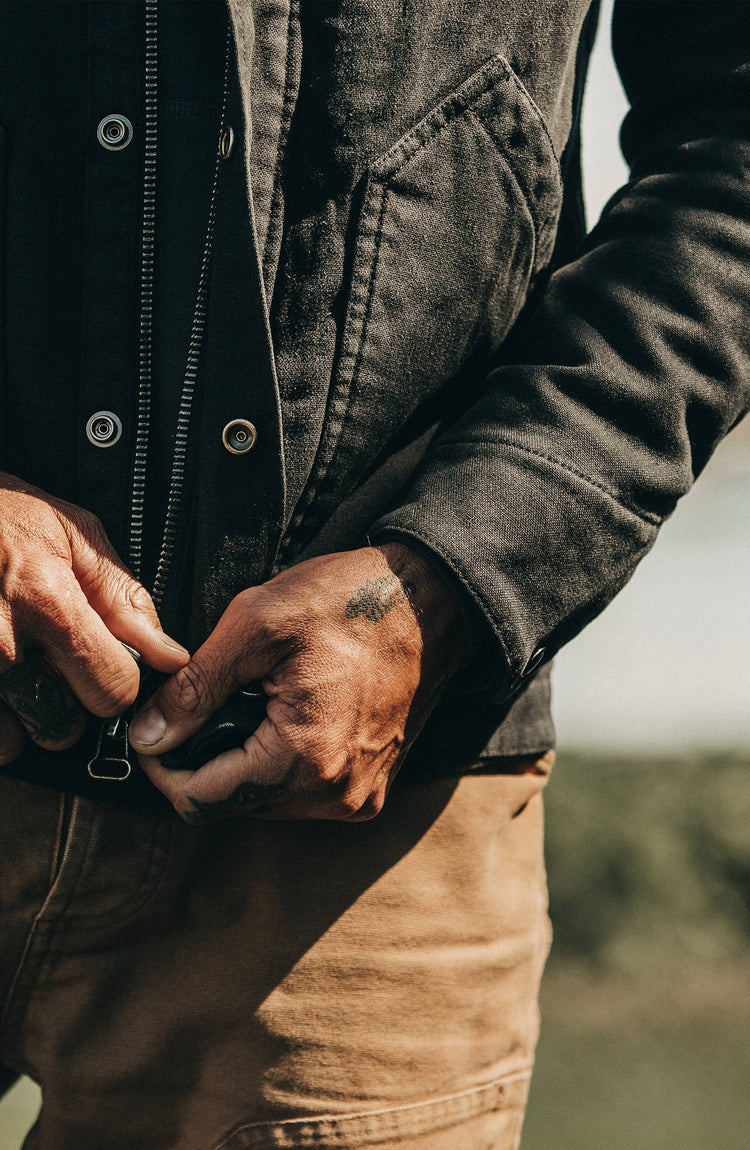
(445, 358)
(427, 343)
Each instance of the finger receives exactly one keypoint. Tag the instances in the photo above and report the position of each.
(12, 738)
(43, 703)
(186, 701)
(122, 603)
(253, 779)
(55, 617)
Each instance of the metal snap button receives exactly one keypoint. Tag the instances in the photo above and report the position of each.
(239, 436)
(103, 429)
(226, 142)
(114, 132)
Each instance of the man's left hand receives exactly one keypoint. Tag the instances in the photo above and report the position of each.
(352, 650)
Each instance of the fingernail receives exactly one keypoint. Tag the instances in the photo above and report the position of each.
(173, 645)
(148, 728)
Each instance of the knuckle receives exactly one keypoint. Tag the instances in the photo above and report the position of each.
(45, 596)
(110, 583)
(349, 804)
(241, 617)
(189, 688)
(41, 585)
(372, 805)
(137, 596)
(265, 626)
(326, 771)
(358, 811)
(115, 694)
(89, 524)
(241, 603)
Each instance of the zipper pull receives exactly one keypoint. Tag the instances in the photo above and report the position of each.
(112, 756)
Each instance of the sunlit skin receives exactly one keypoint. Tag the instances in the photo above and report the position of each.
(67, 604)
(352, 650)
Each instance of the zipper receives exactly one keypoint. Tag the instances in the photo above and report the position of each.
(179, 457)
(112, 755)
(148, 233)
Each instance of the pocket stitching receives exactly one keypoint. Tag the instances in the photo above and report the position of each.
(522, 192)
(159, 848)
(449, 1110)
(461, 102)
(442, 116)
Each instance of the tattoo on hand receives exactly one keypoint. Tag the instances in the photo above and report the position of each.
(251, 798)
(375, 598)
(40, 701)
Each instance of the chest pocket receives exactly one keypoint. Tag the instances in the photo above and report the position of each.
(456, 219)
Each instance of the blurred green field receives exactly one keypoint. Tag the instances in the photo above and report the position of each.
(677, 1085)
(646, 1002)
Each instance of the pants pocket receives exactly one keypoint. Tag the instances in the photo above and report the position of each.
(487, 1117)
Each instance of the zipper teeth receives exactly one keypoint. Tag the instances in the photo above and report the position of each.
(179, 457)
(177, 478)
(138, 496)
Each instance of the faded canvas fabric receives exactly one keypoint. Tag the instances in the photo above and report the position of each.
(290, 984)
(413, 173)
(431, 351)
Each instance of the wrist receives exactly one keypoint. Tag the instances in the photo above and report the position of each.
(435, 603)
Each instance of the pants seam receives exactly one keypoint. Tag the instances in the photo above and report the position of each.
(42, 925)
(442, 1111)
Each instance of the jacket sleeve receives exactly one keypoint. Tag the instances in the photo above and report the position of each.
(548, 491)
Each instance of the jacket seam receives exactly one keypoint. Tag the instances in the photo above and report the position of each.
(644, 516)
(526, 94)
(446, 113)
(284, 126)
(536, 228)
(318, 478)
(463, 105)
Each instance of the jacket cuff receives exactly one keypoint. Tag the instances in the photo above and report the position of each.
(485, 665)
(538, 549)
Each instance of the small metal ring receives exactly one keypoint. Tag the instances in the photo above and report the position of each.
(534, 662)
(131, 651)
(226, 142)
(103, 429)
(114, 132)
(239, 436)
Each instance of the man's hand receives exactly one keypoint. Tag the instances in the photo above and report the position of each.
(65, 601)
(352, 649)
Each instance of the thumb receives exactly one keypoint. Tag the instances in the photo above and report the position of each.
(122, 603)
(186, 701)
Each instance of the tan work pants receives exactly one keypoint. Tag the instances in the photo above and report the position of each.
(261, 984)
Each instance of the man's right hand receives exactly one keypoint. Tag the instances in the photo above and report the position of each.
(66, 601)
